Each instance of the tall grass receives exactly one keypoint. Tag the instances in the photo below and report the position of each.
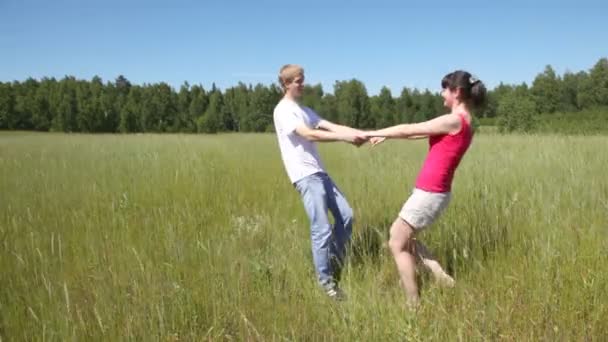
(179, 237)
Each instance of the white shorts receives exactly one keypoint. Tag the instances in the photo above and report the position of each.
(423, 207)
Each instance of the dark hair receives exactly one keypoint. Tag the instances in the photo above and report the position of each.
(473, 89)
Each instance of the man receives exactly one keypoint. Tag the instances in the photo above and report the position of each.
(298, 129)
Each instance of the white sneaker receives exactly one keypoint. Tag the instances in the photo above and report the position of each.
(334, 292)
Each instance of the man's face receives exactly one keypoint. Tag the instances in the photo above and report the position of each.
(296, 87)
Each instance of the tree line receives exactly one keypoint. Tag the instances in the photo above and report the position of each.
(73, 105)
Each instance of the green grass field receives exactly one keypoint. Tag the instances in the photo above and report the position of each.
(190, 237)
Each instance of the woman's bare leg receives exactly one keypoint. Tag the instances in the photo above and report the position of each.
(402, 246)
(429, 261)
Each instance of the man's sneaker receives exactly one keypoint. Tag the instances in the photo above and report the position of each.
(334, 292)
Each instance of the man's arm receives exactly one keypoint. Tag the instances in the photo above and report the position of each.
(333, 127)
(342, 130)
(320, 135)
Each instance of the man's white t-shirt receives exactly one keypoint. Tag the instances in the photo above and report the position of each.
(299, 155)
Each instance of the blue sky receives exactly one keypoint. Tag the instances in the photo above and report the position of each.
(382, 43)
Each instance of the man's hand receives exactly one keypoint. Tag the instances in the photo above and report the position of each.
(357, 138)
(359, 141)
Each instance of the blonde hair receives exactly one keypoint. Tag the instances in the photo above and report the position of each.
(288, 73)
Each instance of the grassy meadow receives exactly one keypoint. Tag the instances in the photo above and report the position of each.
(192, 237)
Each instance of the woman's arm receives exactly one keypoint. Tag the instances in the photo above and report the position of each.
(444, 124)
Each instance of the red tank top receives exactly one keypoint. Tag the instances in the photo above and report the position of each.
(445, 153)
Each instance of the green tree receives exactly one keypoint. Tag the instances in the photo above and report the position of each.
(226, 119)
(593, 90)
(166, 103)
(262, 102)
(199, 104)
(130, 113)
(7, 106)
(312, 96)
(404, 106)
(236, 102)
(25, 105)
(516, 113)
(96, 121)
(122, 88)
(122, 85)
(427, 106)
(570, 87)
(491, 105)
(546, 91)
(110, 113)
(383, 109)
(211, 122)
(329, 108)
(353, 104)
(42, 115)
(84, 108)
(66, 109)
(184, 122)
(416, 113)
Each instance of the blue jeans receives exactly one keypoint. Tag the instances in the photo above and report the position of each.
(319, 193)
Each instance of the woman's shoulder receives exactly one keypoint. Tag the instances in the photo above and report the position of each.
(458, 120)
(461, 115)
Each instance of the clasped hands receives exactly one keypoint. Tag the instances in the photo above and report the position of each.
(359, 138)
